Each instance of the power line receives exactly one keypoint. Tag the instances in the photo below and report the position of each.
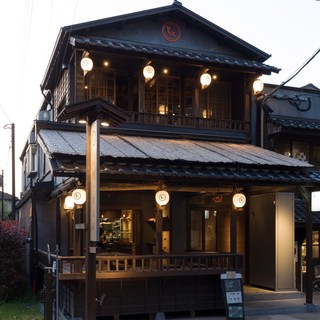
(5, 113)
(292, 76)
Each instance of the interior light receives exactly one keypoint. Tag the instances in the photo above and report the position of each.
(68, 203)
(82, 119)
(257, 86)
(148, 72)
(163, 109)
(165, 71)
(205, 80)
(104, 123)
(106, 63)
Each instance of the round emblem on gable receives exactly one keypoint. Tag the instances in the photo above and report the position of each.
(171, 31)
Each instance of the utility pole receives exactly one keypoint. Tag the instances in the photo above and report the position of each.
(13, 211)
(2, 196)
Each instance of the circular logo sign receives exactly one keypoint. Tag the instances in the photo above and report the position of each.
(171, 31)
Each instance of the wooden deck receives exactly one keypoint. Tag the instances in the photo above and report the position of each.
(119, 266)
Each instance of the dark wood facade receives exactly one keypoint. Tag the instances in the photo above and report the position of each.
(196, 142)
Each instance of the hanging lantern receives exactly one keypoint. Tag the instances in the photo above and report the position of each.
(205, 80)
(239, 200)
(162, 197)
(86, 64)
(79, 196)
(257, 86)
(68, 203)
(148, 72)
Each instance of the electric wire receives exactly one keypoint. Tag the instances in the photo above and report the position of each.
(267, 96)
(5, 114)
(26, 36)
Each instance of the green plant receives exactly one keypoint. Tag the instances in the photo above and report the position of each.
(23, 308)
(12, 253)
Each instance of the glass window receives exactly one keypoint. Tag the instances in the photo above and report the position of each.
(283, 147)
(300, 150)
(116, 230)
(215, 101)
(315, 159)
(100, 84)
(203, 230)
(163, 96)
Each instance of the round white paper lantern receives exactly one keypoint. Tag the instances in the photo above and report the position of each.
(162, 197)
(239, 200)
(79, 196)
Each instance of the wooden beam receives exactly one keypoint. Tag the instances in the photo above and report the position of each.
(123, 186)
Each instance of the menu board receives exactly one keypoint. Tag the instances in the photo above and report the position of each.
(232, 290)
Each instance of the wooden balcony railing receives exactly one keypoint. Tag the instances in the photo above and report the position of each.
(117, 265)
(189, 122)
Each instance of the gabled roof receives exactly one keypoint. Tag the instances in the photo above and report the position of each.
(146, 156)
(175, 11)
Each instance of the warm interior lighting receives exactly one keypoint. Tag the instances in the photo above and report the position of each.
(162, 197)
(163, 109)
(205, 80)
(79, 196)
(239, 200)
(214, 77)
(148, 72)
(106, 63)
(82, 119)
(257, 86)
(165, 71)
(68, 203)
(104, 123)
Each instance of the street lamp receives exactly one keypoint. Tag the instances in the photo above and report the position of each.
(95, 111)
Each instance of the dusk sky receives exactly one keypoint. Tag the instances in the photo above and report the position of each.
(288, 30)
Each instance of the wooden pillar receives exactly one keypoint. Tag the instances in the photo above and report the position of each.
(309, 293)
(159, 228)
(233, 231)
(309, 274)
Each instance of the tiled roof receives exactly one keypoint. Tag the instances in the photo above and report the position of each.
(295, 123)
(148, 148)
(146, 156)
(300, 213)
(186, 54)
(221, 173)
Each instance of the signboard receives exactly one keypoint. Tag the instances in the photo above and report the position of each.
(232, 290)
(315, 201)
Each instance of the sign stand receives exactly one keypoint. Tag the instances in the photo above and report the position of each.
(232, 291)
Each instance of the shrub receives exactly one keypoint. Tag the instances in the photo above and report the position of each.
(12, 253)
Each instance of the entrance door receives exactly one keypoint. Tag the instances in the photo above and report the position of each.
(203, 230)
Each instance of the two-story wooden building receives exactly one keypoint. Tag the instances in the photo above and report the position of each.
(179, 89)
